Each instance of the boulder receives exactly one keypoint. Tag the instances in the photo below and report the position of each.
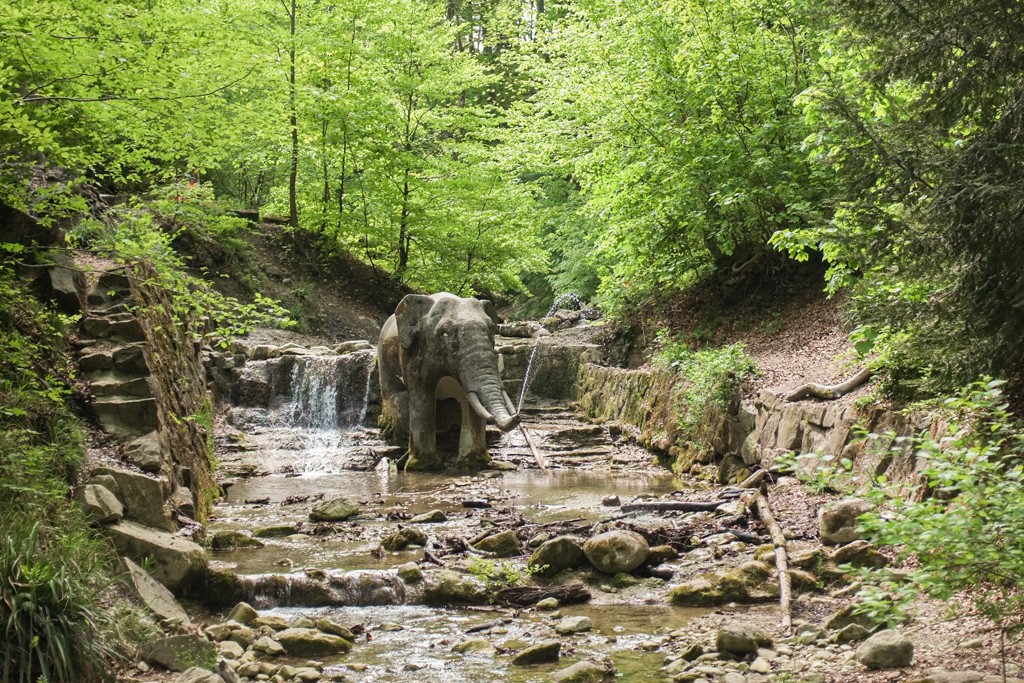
(410, 572)
(145, 452)
(504, 544)
(741, 639)
(197, 674)
(309, 642)
(178, 653)
(142, 496)
(887, 649)
(98, 503)
(231, 540)
(153, 594)
(334, 510)
(276, 531)
(616, 551)
(562, 552)
(942, 676)
(477, 645)
(541, 653)
(352, 346)
(710, 589)
(842, 618)
(402, 539)
(570, 625)
(445, 587)
(837, 521)
(859, 553)
(432, 517)
(333, 628)
(244, 614)
(267, 646)
(175, 560)
(581, 672)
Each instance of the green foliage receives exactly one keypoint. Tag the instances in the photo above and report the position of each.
(144, 234)
(964, 536)
(819, 472)
(52, 572)
(50, 579)
(709, 381)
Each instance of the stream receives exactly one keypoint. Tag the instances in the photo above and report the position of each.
(306, 439)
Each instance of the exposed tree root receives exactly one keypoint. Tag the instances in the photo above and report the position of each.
(781, 559)
(826, 392)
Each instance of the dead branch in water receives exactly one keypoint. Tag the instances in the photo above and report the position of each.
(673, 506)
(781, 559)
(536, 451)
(826, 392)
(524, 596)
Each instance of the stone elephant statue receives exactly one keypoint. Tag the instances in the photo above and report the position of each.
(435, 348)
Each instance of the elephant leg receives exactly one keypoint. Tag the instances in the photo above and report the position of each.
(423, 453)
(472, 440)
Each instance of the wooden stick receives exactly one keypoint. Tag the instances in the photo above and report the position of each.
(753, 481)
(673, 505)
(781, 560)
(536, 451)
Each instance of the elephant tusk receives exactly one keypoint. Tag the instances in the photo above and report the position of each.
(476, 405)
(509, 404)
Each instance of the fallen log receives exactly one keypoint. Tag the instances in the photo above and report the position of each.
(764, 511)
(524, 596)
(827, 392)
(673, 506)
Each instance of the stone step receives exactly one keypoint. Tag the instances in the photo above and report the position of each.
(123, 327)
(118, 384)
(126, 417)
(131, 359)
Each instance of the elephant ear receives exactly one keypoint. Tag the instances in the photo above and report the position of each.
(491, 311)
(410, 316)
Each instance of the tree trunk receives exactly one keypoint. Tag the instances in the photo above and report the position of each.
(293, 204)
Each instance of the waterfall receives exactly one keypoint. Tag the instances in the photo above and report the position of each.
(310, 405)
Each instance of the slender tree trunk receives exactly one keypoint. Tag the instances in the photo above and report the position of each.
(404, 238)
(293, 175)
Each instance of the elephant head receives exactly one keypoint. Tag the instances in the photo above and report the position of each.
(445, 335)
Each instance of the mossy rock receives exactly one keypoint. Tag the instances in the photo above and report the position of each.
(402, 539)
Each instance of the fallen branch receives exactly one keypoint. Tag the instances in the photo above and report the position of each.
(673, 506)
(536, 451)
(753, 481)
(826, 392)
(524, 596)
(781, 560)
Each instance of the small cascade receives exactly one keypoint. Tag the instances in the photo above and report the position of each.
(310, 405)
(577, 303)
(359, 588)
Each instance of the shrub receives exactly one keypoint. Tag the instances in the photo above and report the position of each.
(709, 380)
(964, 534)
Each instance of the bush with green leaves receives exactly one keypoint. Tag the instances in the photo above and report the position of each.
(709, 380)
(964, 534)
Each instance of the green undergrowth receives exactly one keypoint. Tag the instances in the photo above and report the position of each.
(54, 570)
(962, 529)
(708, 382)
(145, 230)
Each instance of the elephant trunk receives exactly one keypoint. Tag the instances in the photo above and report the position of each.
(486, 397)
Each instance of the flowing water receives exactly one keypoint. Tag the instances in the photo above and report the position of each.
(300, 428)
(528, 376)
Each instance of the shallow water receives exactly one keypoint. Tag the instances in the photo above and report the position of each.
(428, 635)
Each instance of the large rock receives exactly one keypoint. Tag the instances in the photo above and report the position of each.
(175, 560)
(616, 551)
(741, 639)
(445, 587)
(710, 589)
(98, 503)
(942, 676)
(178, 653)
(887, 649)
(309, 642)
(142, 496)
(403, 538)
(504, 544)
(153, 593)
(557, 554)
(126, 417)
(198, 675)
(581, 672)
(542, 653)
(334, 510)
(244, 614)
(837, 521)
